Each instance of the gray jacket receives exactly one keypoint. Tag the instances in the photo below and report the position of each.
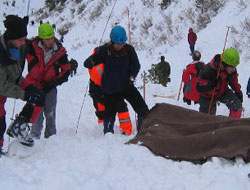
(10, 72)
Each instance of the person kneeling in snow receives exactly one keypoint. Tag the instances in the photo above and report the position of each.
(208, 82)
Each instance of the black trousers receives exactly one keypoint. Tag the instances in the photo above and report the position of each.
(112, 102)
(98, 97)
(228, 98)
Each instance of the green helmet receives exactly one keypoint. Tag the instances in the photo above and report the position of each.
(46, 31)
(231, 57)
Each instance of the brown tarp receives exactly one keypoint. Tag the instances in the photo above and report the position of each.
(181, 134)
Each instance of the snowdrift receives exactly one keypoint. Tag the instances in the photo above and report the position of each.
(181, 134)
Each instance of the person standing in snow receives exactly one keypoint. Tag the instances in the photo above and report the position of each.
(48, 67)
(73, 67)
(228, 76)
(95, 71)
(189, 78)
(162, 71)
(12, 61)
(192, 37)
(62, 38)
(121, 68)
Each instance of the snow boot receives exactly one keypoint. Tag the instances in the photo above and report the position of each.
(108, 127)
(235, 114)
(21, 131)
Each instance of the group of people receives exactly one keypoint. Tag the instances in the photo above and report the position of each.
(113, 68)
(217, 81)
(48, 67)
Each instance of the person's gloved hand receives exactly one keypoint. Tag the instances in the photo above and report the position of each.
(185, 100)
(240, 96)
(34, 95)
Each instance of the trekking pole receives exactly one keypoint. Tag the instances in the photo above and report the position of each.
(144, 85)
(79, 117)
(81, 108)
(13, 111)
(12, 117)
(107, 22)
(129, 33)
(28, 8)
(218, 73)
(243, 110)
(179, 93)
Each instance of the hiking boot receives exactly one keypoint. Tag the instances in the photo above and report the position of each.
(21, 131)
(108, 127)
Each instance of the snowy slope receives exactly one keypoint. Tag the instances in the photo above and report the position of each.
(88, 160)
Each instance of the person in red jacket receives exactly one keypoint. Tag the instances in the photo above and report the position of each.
(228, 76)
(189, 78)
(96, 93)
(48, 67)
(192, 37)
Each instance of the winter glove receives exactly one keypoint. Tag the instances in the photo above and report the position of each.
(34, 95)
(240, 96)
(48, 86)
(185, 100)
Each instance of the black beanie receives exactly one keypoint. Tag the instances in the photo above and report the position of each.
(16, 27)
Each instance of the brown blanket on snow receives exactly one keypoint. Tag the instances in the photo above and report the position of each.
(182, 134)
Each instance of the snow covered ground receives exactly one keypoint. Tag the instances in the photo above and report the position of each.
(90, 161)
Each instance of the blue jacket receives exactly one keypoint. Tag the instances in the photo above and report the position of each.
(118, 67)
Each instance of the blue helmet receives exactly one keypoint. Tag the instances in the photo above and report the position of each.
(118, 35)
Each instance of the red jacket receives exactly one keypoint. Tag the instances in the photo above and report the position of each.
(192, 37)
(189, 78)
(208, 75)
(56, 69)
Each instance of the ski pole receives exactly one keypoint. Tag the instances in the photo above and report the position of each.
(218, 73)
(88, 83)
(81, 108)
(179, 94)
(107, 22)
(28, 8)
